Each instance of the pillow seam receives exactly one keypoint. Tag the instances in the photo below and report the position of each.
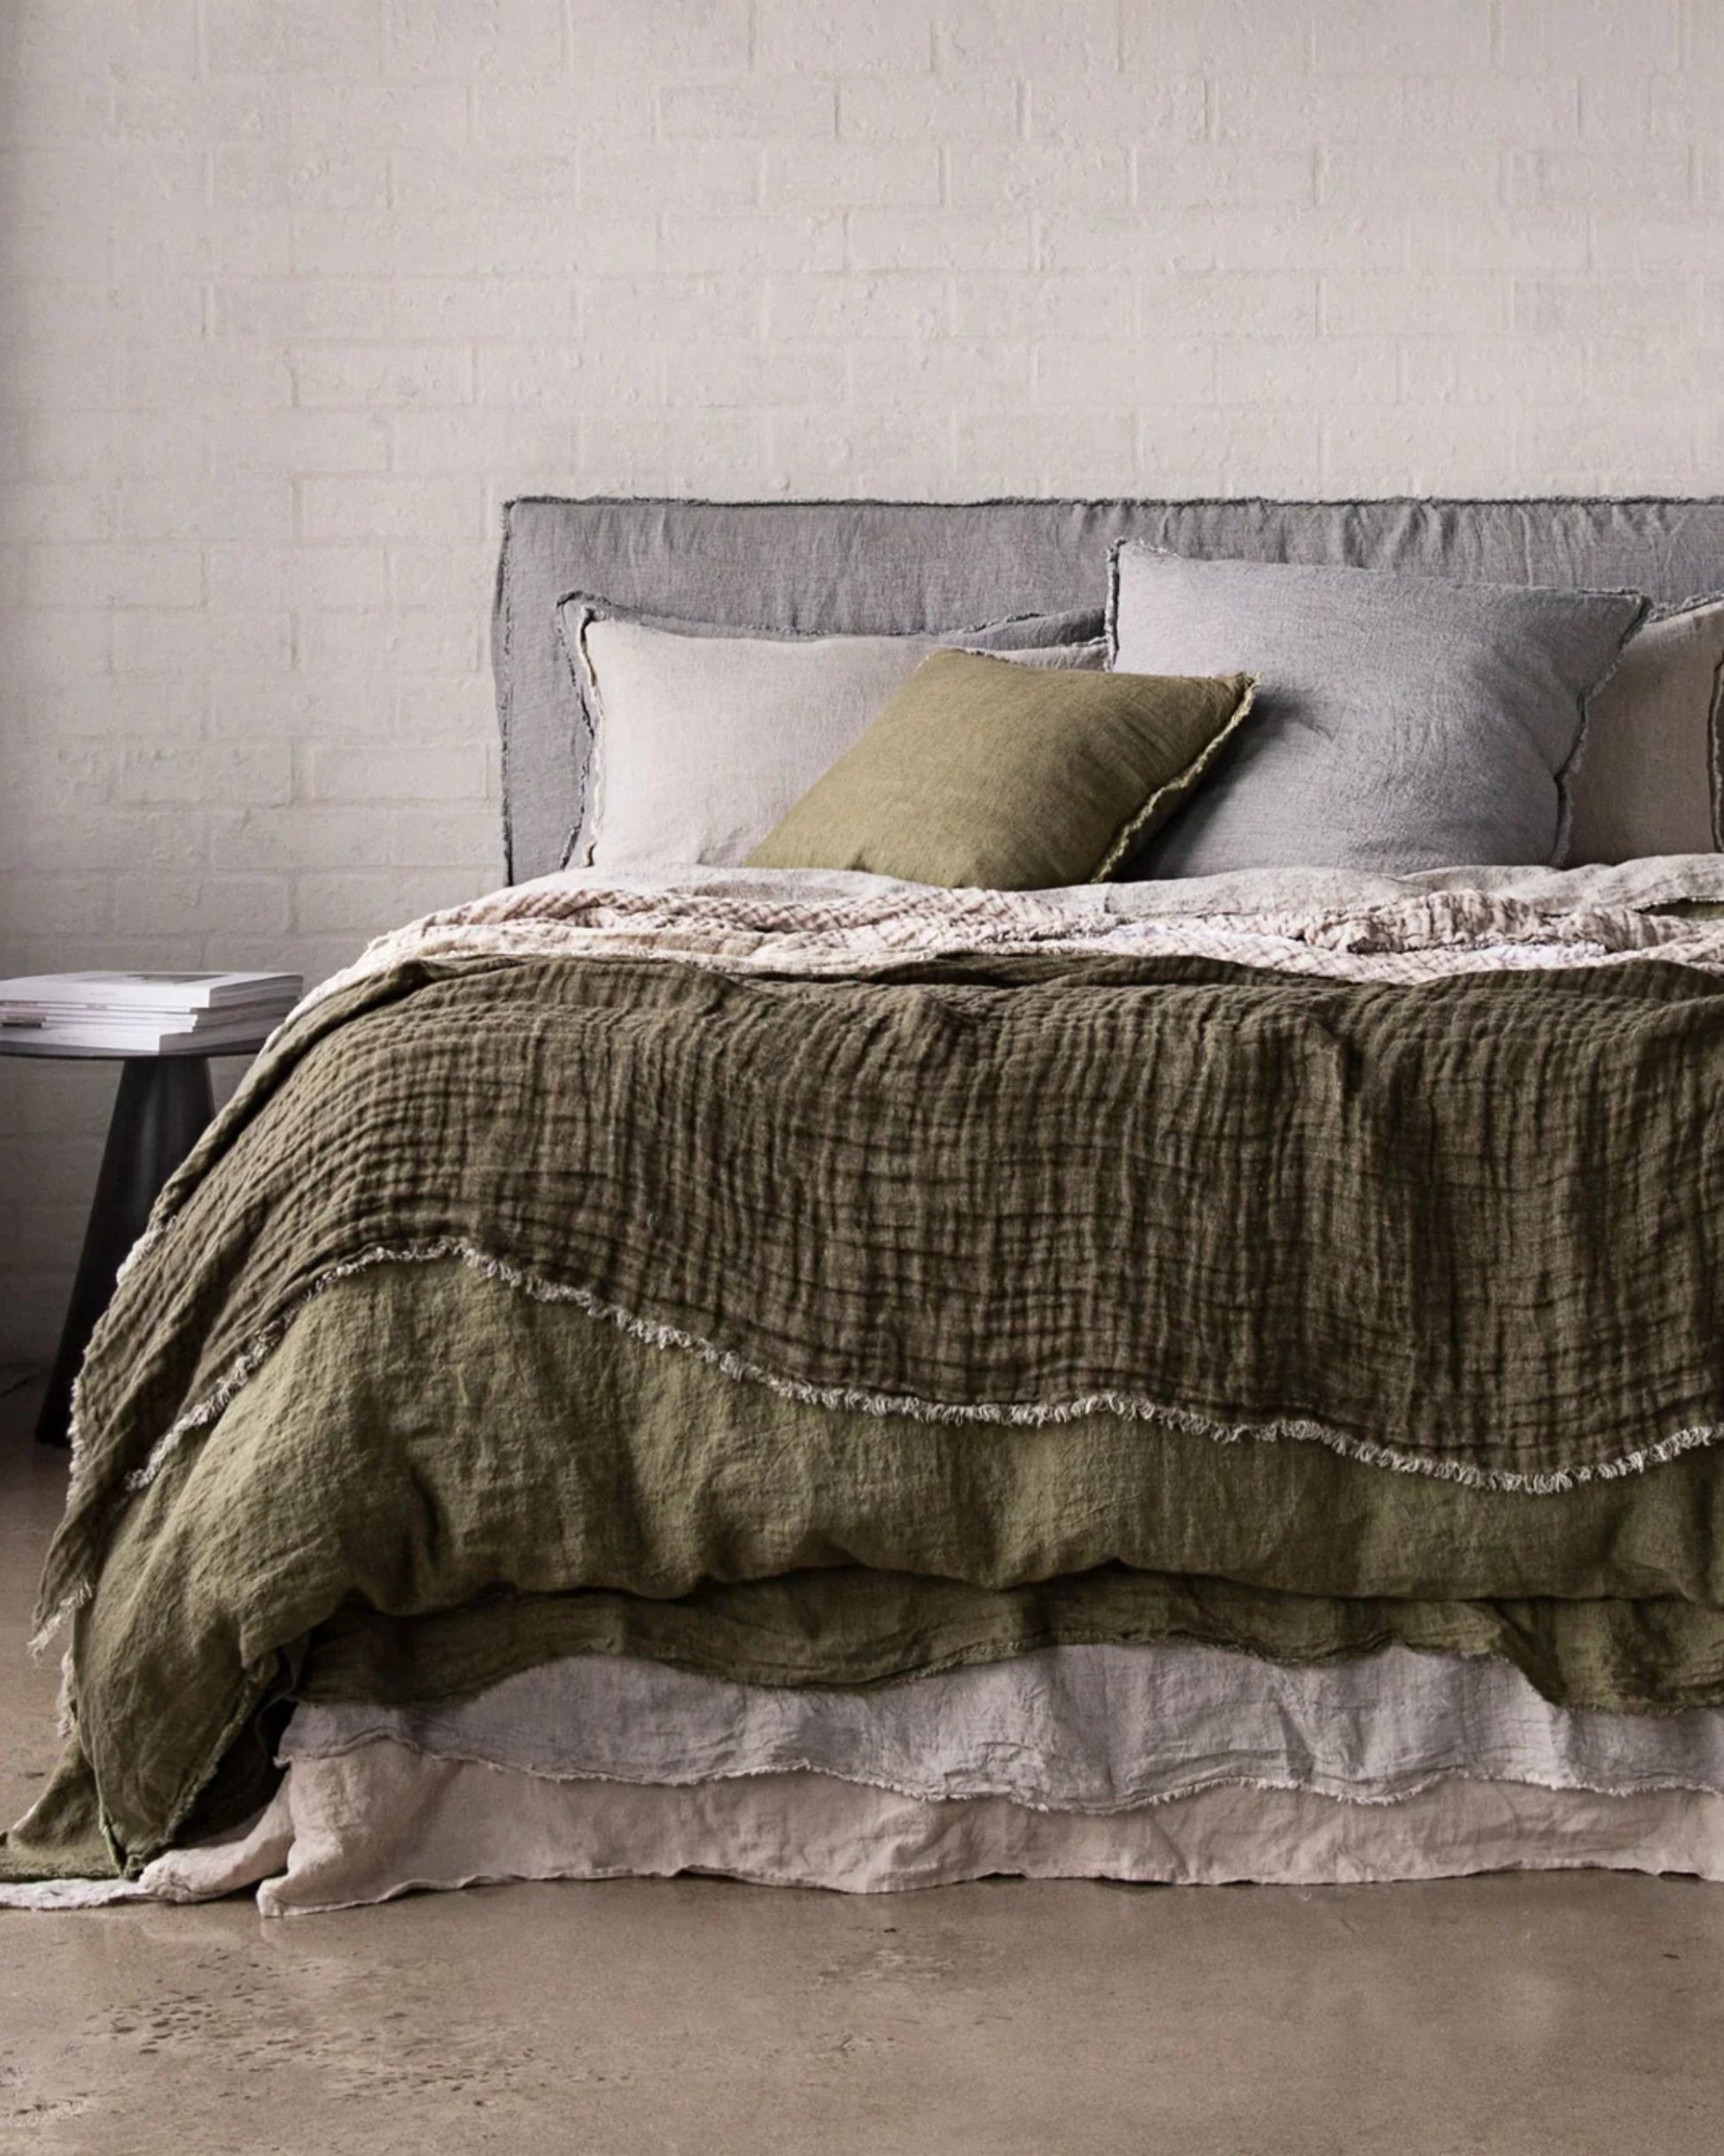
(1137, 827)
(1571, 763)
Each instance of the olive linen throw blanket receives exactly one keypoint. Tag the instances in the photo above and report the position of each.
(1427, 1174)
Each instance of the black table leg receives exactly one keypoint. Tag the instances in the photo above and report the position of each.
(163, 1106)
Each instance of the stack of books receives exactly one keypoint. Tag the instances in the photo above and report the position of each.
(146, 1013)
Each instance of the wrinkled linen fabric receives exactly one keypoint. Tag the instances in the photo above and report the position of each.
(1435, 934)
(850, 1625)
(383, 1821)
(1344, 924)
(1072, 1728)
(199, 1317)
(429, 1443)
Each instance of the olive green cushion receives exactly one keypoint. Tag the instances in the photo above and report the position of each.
(1010, 778)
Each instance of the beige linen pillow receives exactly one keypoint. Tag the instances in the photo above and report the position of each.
(1646, 776)
(703, 739)
(700, 748)
(979, 773)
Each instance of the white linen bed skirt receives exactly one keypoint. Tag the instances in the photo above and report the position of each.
(1076, 1728)
(383, 1820)
(1168, 1762)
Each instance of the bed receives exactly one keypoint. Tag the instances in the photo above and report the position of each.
(831, 1378)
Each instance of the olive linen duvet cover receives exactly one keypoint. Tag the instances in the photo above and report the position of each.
(817, 1280)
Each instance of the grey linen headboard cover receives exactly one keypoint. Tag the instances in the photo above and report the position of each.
(896, 567)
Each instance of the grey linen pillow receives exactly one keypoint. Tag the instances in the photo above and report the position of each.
(1402, 722)
(702, 737)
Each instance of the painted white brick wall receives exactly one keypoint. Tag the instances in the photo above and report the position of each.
(297, 291)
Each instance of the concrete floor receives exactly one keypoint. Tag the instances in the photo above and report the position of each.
(1578, 2016)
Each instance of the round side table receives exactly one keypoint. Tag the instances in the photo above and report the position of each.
(160, 1111)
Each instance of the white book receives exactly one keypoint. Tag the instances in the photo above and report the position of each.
(140, 1020)
(149, 991)
(148, 1039)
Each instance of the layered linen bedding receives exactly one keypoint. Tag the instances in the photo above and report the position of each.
(1210, 1380)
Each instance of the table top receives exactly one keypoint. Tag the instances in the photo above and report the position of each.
(15, 1040)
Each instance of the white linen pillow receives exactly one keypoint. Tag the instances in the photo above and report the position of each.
(703, 741)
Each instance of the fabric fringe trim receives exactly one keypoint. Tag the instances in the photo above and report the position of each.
(1379, 1793)
(43, 1639)
(865, 1400)
(739, 921)
(1016, 1414)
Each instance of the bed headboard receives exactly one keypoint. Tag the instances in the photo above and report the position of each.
(885, 566)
